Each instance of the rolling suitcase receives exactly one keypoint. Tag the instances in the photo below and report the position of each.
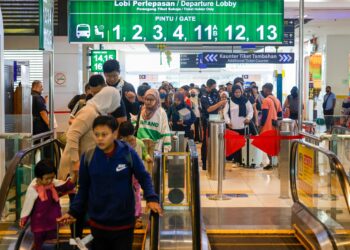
(252, 157)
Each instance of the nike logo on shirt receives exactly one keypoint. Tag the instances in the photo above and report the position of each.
(120, 167)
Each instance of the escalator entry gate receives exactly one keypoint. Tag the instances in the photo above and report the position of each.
(176, 188)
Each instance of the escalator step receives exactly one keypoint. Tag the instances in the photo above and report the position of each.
(252, 241)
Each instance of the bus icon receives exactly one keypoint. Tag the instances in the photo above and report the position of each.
(83, 30)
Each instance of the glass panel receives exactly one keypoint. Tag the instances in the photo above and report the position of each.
(176, 179)
(23, 176)
(319, 190)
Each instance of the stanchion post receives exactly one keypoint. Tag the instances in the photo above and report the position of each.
(221, 162)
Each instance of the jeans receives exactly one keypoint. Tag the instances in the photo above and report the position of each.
(328, 117)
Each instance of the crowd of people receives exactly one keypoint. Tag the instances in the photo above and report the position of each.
(108, 146)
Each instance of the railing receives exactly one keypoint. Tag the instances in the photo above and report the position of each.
(340, 130)
(152, 231)
(195, 197)
(154, 217)
(314, 139)
(319, 184)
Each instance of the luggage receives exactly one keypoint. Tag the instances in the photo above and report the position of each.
(74, 243)
(252, 157)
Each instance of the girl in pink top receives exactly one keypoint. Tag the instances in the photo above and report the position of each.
(41, 204)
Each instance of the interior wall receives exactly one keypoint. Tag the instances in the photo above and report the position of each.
(337, 66)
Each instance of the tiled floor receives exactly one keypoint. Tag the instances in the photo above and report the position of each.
(261, 187)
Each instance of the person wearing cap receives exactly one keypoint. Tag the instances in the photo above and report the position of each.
(211, 104)
(271, 112)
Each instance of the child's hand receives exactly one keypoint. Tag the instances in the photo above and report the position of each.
(23, 222)
(155, 207)
(66, 219)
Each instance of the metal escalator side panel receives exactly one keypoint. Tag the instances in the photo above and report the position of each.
(25, 239)
(316, 233)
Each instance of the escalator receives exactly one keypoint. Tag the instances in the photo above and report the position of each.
(19, 175)
(245, 240)
(319, 217)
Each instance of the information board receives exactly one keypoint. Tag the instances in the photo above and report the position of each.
(176, 21)
(46, 25)
(269, 58)
(99, 57)
(305, 175)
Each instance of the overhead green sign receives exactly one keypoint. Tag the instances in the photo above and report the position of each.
(99, 57)
(46, 24)
(176, 21)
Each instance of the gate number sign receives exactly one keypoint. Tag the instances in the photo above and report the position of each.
(99, 57)
(176, 21)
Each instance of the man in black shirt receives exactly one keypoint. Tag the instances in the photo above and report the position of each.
(41, 122)
(129, 104)
(211, 104)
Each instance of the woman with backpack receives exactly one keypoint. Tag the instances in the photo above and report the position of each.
(291, 105)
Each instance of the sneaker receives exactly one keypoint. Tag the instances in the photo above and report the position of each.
(268, 167)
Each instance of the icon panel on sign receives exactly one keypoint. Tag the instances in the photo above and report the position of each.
(83, 30)
(99, 31)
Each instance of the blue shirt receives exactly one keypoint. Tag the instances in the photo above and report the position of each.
(207, 100)
(329, 103)
(105, 186)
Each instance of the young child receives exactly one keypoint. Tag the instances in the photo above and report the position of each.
(105, 188)
(126, 133)
(41, 204)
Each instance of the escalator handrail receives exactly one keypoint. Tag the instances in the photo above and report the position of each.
(335, 166)
(11, 170)
(153, 232)
(21, 235)
(345, 129)
(42, 135)
(311, 136)
(195, 197)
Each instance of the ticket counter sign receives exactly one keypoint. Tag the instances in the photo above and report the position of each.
(306, 162)
(99, 57)
(176, 21)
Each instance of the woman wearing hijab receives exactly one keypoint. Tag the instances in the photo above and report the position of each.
(224, 95)
(237, 114)
(181, 116)
(80, 137)
(291, 104)
(153, 123)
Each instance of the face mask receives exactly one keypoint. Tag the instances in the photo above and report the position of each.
(162, 96)
(193, 95)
